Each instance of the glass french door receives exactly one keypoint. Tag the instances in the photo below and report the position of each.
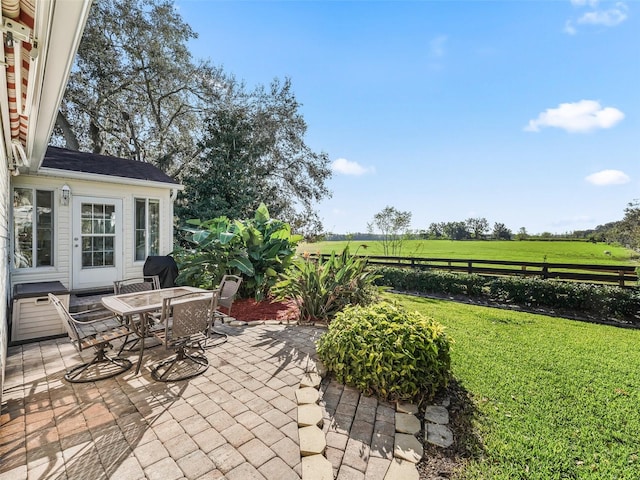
(96, 241)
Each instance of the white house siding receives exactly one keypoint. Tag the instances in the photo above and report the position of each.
(4, 271)
(134, 268)
(62, 270)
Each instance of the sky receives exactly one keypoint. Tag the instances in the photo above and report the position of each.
(525, 113)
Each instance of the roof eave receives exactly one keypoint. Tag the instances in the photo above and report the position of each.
(58, 28)
(56, 172)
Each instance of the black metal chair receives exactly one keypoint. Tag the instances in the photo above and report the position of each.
(98, 333)
(185, 323)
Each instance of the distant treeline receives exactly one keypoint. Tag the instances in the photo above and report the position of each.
(625, 232)
(549, 237)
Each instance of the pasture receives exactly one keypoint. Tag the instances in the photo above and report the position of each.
(514, 250)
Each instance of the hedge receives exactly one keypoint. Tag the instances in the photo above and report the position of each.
(606, 301)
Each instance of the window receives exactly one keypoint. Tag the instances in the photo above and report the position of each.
(32, 228)
(147, 236)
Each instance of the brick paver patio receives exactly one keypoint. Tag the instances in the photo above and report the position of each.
(237, 421)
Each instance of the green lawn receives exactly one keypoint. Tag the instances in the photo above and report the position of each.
(555, 398)
(526, 251)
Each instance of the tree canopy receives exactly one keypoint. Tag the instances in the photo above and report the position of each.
(136, 92)
(253, 151)
(394, 225)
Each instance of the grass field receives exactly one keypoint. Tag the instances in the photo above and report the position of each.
(555, 398)
(524, 251)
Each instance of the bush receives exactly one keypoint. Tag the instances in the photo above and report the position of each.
(387, 351)
(258, 249)
(321, 288)
(603, 300)
(431, 281)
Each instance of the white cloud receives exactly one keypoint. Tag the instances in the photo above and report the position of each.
(609, 18)
(579, 117)
(608, 177)
(437, 46)
(347, 167)
(569, 28)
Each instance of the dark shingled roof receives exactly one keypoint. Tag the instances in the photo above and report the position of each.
(71, 160)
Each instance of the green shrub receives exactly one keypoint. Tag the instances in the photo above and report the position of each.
(387, 351)
(321, 288)
(431, 281)
(603, 300)
(259, 249)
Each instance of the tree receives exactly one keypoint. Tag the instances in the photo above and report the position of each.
(392, 224)
(501, 232)
(254, 152)
(456, 230)
(135, 91)
(522, 234)
(477, 227)
(627, 230)
(436, 230)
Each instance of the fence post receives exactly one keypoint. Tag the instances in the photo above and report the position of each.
(469, 267)
(621, 273)
(545, 271)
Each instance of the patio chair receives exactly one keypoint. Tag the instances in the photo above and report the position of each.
(186, 321)
(99, 334)
(228, 288)
(134, 285)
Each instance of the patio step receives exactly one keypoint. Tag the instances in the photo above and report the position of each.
(82, 303)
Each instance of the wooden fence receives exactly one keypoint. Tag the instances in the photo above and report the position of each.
(622, 275)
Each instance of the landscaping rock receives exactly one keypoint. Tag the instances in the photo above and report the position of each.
(402, 470)
(407, 423)
(309, 414)
(307, 395)
(316, 467)
(436, 414)
(439, 435)
(404, 407)
(407, 447)
(310, 379)
(312, 441)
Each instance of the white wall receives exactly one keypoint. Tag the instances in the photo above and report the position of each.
(4, 271)
(62, 270)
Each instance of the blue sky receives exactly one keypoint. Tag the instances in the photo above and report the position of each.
(523, 112)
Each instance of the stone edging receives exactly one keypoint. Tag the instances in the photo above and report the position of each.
(408, 450)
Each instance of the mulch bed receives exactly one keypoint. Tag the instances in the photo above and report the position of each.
(248, 310)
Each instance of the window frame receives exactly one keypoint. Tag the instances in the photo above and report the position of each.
(35, 229)
(148, 233)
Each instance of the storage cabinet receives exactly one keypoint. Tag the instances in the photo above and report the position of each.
(34, 317)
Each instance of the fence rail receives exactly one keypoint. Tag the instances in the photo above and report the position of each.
(622, 275)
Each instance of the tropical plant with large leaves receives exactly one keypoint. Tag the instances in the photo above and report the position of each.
(323, 287)
(259, 249)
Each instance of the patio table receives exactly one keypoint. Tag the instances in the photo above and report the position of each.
(143, 303)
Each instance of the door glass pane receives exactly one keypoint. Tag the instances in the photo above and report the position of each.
(98, 219)
(110, 219)
(98, 241)
(87, 216)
